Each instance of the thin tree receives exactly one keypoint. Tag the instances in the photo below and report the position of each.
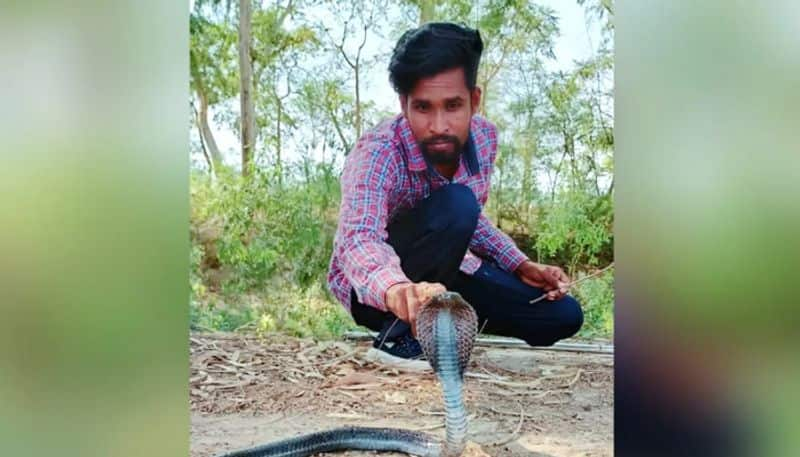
(248, 116)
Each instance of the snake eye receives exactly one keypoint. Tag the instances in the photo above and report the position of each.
(451, 295)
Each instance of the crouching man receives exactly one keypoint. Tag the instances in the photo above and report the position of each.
(411, 223)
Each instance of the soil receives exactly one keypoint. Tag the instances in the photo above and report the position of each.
(246, 391)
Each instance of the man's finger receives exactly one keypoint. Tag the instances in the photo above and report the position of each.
(552, 276)
(420, 293)
(426, 292)
(412, 317)
(408, 298)
(430, 291)
(563, 276)
(434, 289)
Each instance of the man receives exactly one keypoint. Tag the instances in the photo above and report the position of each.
(411, 223)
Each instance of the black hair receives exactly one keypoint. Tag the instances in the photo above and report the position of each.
(431, 49)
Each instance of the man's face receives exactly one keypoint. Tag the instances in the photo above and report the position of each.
(439, 110)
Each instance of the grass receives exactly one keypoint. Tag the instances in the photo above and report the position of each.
(596, 296)
(303, 313)
(312, 313)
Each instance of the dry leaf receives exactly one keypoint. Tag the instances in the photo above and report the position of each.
(356, 378)
(232, 385)
(345, 370)
(200, 393)
(395, 397)
(474, 450)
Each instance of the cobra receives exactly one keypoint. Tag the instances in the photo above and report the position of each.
(446, 329)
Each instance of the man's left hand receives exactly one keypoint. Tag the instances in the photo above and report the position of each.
(550, 278)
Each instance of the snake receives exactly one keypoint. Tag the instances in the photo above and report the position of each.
(446, 329)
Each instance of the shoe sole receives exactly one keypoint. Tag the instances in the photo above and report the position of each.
(375, 355)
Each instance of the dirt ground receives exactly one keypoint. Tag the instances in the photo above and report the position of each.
(247, 391)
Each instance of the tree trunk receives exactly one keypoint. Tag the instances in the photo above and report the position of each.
(426, 10)
(345, 143)
(482, 105)
(211, 167)
(278, 164)
(569, 148)
(497, 192)
(201, 117)
(357, 69)
(205, 131)
(358, 102)
(528, 183)
(248, 116)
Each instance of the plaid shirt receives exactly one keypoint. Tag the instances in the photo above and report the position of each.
(386, 174)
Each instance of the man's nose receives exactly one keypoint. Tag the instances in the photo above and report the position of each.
(439, 123)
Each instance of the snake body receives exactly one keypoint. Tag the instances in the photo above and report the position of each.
(446, 328)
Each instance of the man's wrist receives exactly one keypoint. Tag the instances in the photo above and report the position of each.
(527, 266)
(386, 292)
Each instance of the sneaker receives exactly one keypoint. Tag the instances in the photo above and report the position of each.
(404, 352)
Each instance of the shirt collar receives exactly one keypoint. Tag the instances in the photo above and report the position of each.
(417, 162)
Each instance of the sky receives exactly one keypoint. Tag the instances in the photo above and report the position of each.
(573, 43)
(576, 41)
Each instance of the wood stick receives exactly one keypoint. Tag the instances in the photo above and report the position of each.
(544, 295)
(515, 434)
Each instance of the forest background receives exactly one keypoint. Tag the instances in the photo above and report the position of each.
(280, 92)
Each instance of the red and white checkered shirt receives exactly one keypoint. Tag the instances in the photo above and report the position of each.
(385, 174)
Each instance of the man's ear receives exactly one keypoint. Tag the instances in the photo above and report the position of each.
(476, 99)
(403, 104)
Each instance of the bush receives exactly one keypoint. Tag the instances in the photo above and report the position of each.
(261, 232)
(575, 228)
(596, 295)
(308, 313)
(260, 254)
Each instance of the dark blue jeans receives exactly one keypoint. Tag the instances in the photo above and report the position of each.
(431, 240)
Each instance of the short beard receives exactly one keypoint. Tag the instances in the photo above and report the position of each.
(438, 158)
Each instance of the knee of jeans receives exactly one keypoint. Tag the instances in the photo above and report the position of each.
(570, 318)
(457, 206)
(565, 323)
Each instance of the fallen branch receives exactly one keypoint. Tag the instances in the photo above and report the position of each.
(340, 358)
(575, 379)
(522, 385)
(515, 434)
(431, 413)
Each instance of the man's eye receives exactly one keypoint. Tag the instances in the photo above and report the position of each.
(422, 108)
(453, 105)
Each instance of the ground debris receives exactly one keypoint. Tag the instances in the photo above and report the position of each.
(246, 390)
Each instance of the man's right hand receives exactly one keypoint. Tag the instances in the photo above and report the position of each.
(404, 299)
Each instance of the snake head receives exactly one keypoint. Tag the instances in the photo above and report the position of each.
(464, 321)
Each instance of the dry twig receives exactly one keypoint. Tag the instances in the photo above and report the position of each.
(515, 434)
(544, 295)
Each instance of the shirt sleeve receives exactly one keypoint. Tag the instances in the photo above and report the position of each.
(369, 263)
